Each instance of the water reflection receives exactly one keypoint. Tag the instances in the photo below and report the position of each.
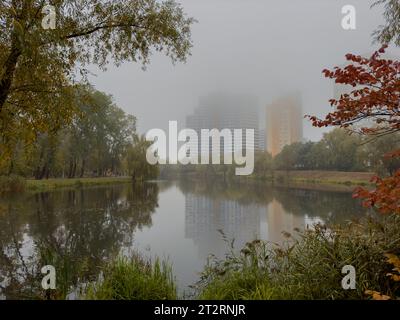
(205, 216)
(248, 212)
(76, 230)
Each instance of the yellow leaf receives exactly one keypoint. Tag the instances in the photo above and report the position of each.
(377, 295)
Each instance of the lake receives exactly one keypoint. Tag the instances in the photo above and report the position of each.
(182, 221)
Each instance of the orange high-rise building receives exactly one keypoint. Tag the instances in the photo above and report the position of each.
(284, 123)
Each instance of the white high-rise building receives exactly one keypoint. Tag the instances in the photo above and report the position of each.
(224, 111)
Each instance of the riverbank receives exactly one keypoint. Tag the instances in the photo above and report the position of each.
(325, 177)
(52, 184)
(123, 213)
(317, 177)
(310, 266)
(311, 179)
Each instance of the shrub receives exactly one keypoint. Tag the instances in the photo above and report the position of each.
(134, 279)
(12, 183)
(309, 265)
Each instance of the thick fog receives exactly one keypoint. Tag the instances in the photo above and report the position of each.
(261, 47)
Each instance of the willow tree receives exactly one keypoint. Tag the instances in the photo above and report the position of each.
(390, 30)
(39, 66)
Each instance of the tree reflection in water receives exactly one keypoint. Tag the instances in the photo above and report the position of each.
(78, 230)
(74, 230)
(332, 206)
(253, 210)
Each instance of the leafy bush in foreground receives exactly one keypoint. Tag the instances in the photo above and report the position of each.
(134, 279)
(309, 266)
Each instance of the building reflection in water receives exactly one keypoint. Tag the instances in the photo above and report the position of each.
(279, 220)
(204, 216)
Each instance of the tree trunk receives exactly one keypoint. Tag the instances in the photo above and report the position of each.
(43, 171)
(11, 168)
(47, 172)
(83, 168)
(112, 166)
(74, 170)
(9, 70)
(71, 166)
(38, 168)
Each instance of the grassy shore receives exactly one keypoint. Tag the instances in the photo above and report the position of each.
(310, 265)
(317, 177)
(52, 184)
(325, 177)
(134, 278)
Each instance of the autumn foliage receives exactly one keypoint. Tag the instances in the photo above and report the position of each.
(372, 109)
(385, 197)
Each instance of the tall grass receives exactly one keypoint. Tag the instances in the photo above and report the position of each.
(134, 279)
(70, 271)
(309, 265)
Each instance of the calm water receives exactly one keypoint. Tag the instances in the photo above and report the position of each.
(77, 229)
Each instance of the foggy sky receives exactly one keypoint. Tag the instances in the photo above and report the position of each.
(262, 47)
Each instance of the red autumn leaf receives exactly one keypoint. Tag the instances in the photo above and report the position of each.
(376, 98)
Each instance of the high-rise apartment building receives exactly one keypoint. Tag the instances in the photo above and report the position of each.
(284, 123)
(224, 111)
(262, 142)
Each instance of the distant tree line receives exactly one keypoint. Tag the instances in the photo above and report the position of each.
(338, 150)
(47, 127)
(101, 140)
